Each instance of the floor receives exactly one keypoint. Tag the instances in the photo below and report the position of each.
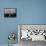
(30, 43)
(7, 45)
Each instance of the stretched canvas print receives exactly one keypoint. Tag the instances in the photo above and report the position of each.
(9, 12)
(33, 32)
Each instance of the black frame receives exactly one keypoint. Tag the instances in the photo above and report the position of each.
(11, 14)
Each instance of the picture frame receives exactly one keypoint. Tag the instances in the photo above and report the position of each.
(10, 12)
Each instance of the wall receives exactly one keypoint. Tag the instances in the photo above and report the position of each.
(28, 12)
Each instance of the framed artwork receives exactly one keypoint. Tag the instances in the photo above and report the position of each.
(32, 32)
(10, 12)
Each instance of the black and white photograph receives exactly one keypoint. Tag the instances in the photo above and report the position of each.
(9, 12)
